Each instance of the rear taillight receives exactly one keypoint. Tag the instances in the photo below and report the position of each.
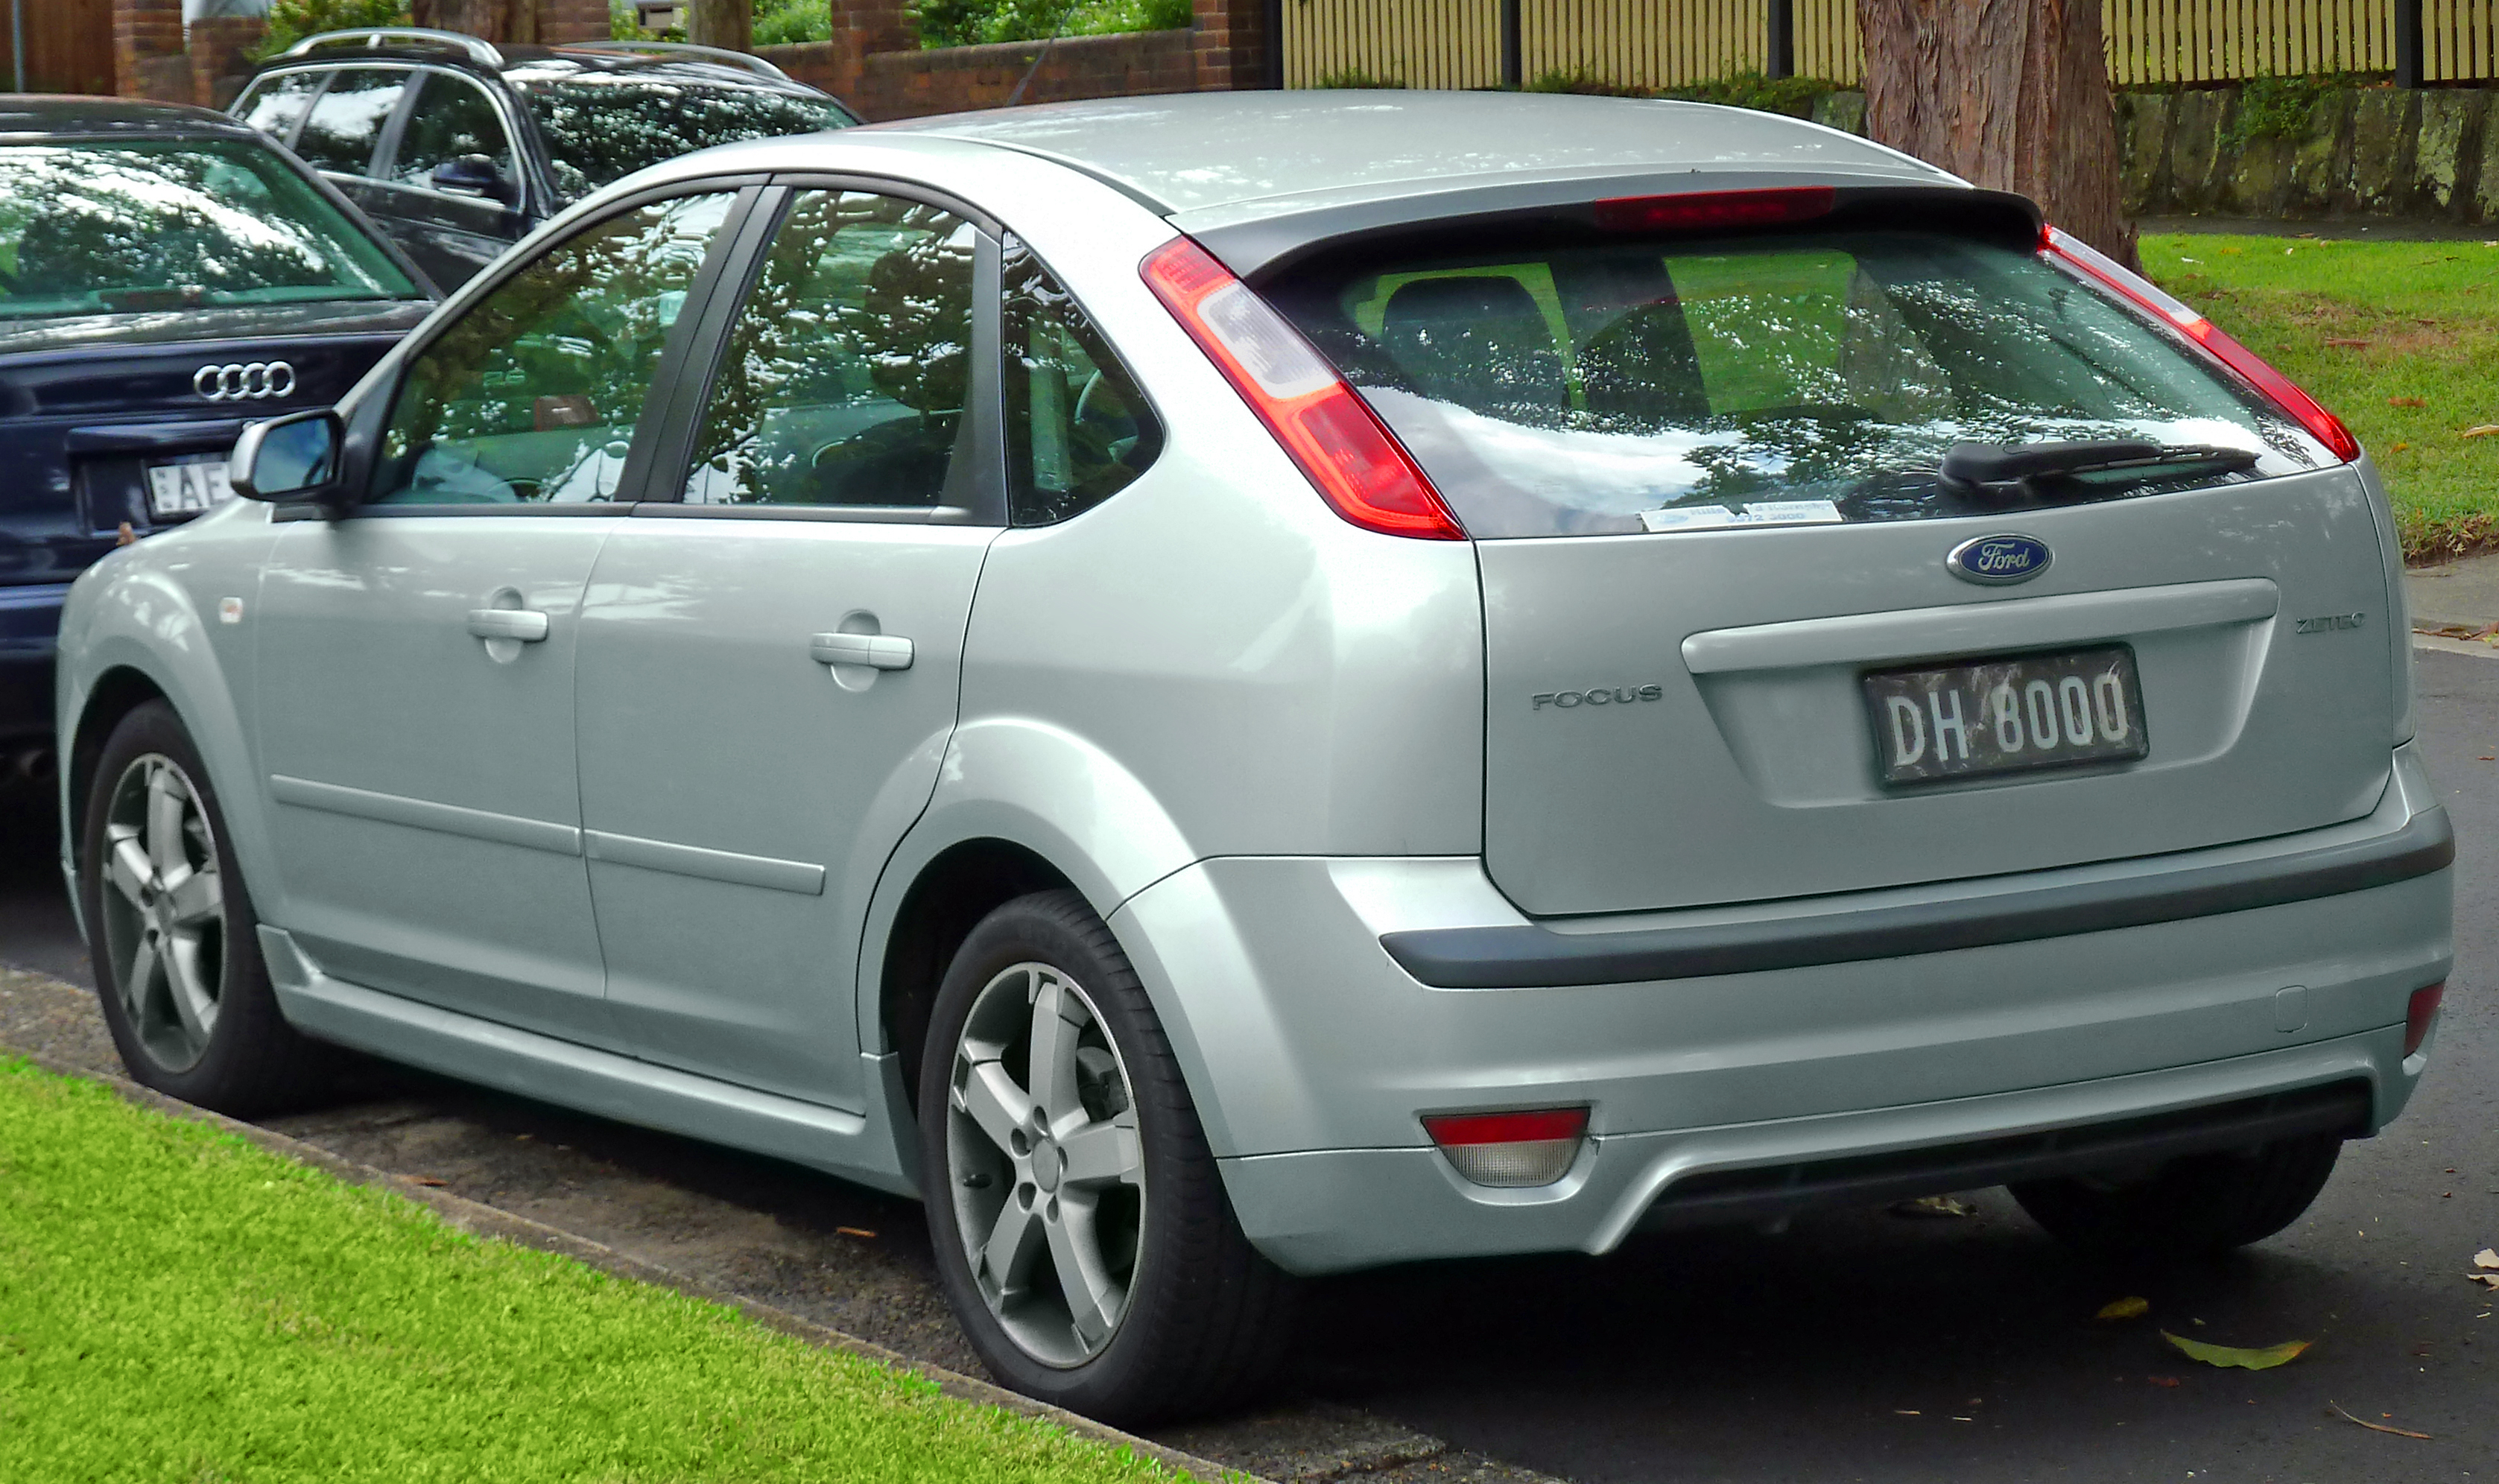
(2239, 360)
(1331, 434)
(2420, 1015)
(1532, 1147)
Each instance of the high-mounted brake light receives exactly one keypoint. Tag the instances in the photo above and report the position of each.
(1535, 1146)
(1330, 433)
(2421, 1013)
(2239, 360)
(1708, 211)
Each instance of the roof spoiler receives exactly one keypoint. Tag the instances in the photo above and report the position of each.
(744, 60)
(1595, 209)
(484, 53)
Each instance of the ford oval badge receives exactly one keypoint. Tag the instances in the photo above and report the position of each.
(1999, 560)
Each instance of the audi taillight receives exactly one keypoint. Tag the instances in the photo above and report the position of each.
(1331, 434)
(2229, 354)
(1534, 1146)
(2420, 1015)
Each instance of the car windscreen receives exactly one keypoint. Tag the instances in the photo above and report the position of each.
(1628, 385)
(122, 228)
(601, 128)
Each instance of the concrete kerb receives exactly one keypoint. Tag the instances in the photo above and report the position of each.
(482, 1220)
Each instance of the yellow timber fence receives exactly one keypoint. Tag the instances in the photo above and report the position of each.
(1668, 44)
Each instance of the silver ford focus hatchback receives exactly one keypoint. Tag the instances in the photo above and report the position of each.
(1241, 686)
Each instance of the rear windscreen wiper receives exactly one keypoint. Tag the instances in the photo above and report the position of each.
(1974, 467)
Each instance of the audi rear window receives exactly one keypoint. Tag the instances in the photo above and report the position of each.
(1633, 385)
(110, 229)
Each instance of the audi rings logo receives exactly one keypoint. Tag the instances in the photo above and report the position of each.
(254, 381)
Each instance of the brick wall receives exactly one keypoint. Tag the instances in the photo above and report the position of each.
(572, 21)
(217, 44)
(1230, 53)
(148, 56)
(913, 84)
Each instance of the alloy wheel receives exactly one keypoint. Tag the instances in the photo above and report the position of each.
(1046, 1169)
(164, 909)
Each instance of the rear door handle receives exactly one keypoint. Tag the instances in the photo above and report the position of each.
(526, 625)
(876, 651)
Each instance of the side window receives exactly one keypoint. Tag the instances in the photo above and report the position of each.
(844, 378)
(453, 118)
(1077, 429)
(276, 105)
(339, 132)
(533, 394)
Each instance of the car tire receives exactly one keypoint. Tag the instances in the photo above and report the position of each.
(2193, 1206)
(1105, 1174)
(174, 939)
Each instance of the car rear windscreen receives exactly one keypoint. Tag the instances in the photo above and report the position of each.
(601, 127)
(1632, 385)
(112, 229)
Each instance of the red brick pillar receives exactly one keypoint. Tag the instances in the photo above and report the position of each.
(861, 27)
(217, 44)
(572, 21)
(1231, 43)
(148, 59)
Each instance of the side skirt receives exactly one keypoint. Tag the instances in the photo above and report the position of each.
(867, 1148)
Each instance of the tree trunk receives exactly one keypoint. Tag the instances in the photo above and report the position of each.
(729, 23)
(488, 20)
(2009, 95)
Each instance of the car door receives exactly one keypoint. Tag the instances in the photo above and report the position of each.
(342, 129)
(452, 227)
(417, 657)
(769, 668)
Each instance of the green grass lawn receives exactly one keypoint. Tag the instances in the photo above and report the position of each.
(180, 1306)
(2400, 339)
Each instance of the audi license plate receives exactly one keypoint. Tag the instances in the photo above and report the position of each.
(187, 486)
(2007, 716)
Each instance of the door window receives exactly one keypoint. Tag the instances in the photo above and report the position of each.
(535, 394)
(275, 106)
(844, 379)
(1077, 429)
(453, 118)
(341, 132)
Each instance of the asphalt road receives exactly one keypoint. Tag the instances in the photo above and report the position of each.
(1861, 1347)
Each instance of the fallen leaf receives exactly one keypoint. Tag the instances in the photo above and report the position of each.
(2399, 448)
(2485, 1280)
(2245, 1359)
(1903, 1413)
(2487, 1257)
(2232, 252)
(2407, 402)
(2163, 1380)
(2347, 341)
(428, 1180)
(2375, 1427)
(1933, 1206)
(125, 535)
(852, 1231)
(2128, 1307)
(2479, 431)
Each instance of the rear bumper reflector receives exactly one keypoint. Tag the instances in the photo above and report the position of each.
(1527, 956)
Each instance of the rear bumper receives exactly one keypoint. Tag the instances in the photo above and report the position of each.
(1312, 1050)
(30, 623)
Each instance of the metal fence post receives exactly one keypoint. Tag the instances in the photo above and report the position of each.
(2407, 43)
(1781, 59)
(1513, 64)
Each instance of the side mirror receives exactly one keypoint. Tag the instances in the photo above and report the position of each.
(288, 459)
(469, 174)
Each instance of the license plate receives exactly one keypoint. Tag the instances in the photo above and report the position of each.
(2007, 716)
(187, 486)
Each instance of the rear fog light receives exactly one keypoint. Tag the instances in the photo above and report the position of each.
(1510, 1149)
(2421, 1013)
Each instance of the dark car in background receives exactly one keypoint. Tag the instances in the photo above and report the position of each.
(458, 147)
(166, 276)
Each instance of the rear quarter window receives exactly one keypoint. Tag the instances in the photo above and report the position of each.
(1626, 385)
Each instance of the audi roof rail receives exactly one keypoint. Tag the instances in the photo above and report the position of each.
(484, 53)
(687, 50)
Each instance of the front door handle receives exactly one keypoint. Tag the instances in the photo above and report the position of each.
(524, 624)
(876, 651)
